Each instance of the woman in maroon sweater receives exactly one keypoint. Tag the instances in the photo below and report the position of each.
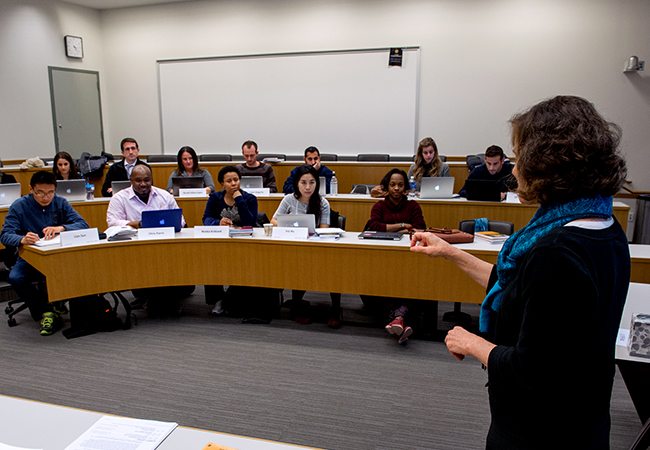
(395, 214)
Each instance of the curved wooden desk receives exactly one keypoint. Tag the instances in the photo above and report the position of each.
(350, 266)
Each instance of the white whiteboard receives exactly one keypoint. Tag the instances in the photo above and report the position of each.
(343, 102)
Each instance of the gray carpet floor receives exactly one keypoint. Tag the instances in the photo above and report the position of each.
(349, 389)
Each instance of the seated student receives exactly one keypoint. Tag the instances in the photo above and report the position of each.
(305, 199)
(254, 168)
(125, 208)
(64, 167)
(121, 170)
(494, 169)
(312, 158)
(230, 207)
(427, 164)
(395, 214)
(40, 214)
(188, 166)
(6, 178)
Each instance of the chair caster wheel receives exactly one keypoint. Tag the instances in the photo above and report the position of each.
(12, 322)
(9, 310)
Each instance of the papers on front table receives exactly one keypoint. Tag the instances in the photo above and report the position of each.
(115, 433)
(328, 234)
(124, 233)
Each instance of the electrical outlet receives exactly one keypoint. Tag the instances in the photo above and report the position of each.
(630, 216)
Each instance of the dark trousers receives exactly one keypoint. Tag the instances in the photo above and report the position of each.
(22, 278)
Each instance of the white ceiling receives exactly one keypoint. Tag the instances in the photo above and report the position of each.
(110, 4)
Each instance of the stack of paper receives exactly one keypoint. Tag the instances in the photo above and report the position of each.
(124, 233)
(243, 231)
(491, 236)
(329, 233)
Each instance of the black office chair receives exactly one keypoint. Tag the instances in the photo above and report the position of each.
(374, 157)
(468, 227)
(261, 156)
(262, 218)
(362, 188)
(161, 158)
(215, 157)
(294, 158)
(328, 157)
(402, 158)
(475, 161)
(443, 158)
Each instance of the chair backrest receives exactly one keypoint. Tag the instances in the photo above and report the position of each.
(334, 218)
(294, 158)
(373, 157)
(474, 161)
(161, 158)
(402, 158)
(261, 156)
(215, 157)
(262, 218)
(443, 158)
(341, 222)
(493, 225)
(328, 157)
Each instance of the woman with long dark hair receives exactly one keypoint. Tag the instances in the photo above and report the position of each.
(64, 167)
(188, 166)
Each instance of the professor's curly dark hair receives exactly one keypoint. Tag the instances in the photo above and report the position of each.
(566, 150)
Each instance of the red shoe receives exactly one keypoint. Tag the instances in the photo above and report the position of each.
(405, 335)
(334, 323)
(396, 327)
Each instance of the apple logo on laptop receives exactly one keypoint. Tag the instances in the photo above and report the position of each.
(162, 222)
(69, 191)
(437, 187)
(296, 224)
(3, 195)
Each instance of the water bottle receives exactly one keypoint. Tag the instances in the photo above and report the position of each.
(334, 185)
(412, 186)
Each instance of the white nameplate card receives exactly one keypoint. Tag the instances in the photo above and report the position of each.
(259, 192)
(290, 232)
(212, 231)
(192, 192)
(79, 237)
(155, 233)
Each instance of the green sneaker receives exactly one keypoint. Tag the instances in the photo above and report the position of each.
(59, 307)
(50, 322)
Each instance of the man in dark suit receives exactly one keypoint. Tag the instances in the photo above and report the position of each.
(121, 170)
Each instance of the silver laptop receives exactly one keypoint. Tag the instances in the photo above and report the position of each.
(9, 193)
(117, 186)
(251, 182)
(71, 190)
(298, 221)
(437, 187)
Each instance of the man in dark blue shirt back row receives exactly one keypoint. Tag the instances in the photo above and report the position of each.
(312, 158)
(40, 214)
(496, 168)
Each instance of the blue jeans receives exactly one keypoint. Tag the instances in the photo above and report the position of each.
(21, 278)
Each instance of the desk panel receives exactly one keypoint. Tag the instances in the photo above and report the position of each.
(352, 266)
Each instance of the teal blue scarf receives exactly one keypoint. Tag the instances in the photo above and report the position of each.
(515, 248)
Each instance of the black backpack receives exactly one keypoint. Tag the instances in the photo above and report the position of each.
(91, 314)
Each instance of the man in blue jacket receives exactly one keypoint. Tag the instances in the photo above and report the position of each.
(40, 214)
(312, 157)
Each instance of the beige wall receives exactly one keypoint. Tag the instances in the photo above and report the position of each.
(481, 60)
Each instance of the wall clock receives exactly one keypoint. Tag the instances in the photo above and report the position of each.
(74, 47)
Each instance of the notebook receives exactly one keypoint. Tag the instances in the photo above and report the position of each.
(298, 221)
(163, 218)
(9, 193)
(186, 183)
(117, 186)
(483, 190)
(382, 235)
(437, 187)
(251, 183)
(72, 190)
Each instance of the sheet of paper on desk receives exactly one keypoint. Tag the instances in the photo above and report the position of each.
(11, 447)
(56, 240)
(212, 446)
(119, 433)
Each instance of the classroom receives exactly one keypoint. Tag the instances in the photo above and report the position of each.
(478, 63)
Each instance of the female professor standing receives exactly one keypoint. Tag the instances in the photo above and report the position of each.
(555, 297)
